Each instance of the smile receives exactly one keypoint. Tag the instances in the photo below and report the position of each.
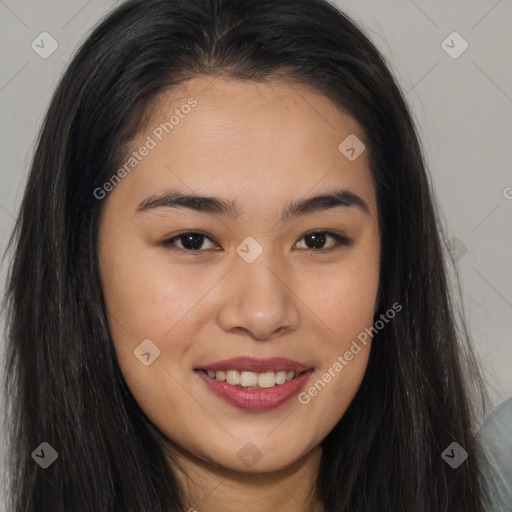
(251, 379)
(255, 384)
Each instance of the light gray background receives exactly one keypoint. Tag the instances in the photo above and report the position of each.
(463, 108)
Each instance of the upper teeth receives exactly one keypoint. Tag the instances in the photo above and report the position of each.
(252, 379)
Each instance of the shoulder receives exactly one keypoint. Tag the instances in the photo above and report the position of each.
(494, 449)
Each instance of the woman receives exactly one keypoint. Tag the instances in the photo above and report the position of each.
(228, 287)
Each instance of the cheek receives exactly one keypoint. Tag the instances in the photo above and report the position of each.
(144, 300)
(343, 297)
(346, 310)
(328, 396)
(147, 294)
(149, 300)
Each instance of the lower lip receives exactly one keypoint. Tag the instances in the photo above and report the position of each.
(256, 399)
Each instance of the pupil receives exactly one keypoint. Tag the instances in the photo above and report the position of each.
(193, 241)
(318, 240)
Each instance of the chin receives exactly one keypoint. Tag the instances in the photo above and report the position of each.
(261, 456)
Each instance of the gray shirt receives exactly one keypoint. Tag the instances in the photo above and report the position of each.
(494, 449)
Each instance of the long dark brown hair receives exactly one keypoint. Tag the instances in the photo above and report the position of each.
(63, 384)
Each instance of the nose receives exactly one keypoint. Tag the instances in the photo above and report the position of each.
(259, 302)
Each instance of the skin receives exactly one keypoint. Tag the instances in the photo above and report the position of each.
(263, 145)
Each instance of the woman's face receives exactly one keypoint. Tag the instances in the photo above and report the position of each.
(251, 295)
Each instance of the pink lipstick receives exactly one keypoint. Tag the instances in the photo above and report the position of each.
(255, 384)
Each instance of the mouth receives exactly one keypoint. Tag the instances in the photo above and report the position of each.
(255, 384)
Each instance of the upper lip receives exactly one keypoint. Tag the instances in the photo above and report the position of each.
(251, 364)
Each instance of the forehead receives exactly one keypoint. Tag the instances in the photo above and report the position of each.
(219, 136)
(233, 103)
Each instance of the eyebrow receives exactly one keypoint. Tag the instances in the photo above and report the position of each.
(230, 208)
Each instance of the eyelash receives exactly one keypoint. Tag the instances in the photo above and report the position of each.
(341, 241)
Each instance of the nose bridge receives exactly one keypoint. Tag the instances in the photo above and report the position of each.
(261, 278)
(259, 299)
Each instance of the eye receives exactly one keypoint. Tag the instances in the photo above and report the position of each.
(191, 241)
(316, 240)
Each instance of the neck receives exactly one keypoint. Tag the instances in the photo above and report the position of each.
(209, 488)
